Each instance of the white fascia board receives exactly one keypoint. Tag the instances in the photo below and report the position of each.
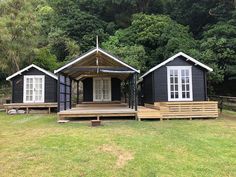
(74, 61)
(119, 61)
(172, 58)
(91, 52)
(27, 68)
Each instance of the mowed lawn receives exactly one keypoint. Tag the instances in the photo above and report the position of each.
(35, 145)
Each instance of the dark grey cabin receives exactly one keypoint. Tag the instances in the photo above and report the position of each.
(33, 85)
(179, 78)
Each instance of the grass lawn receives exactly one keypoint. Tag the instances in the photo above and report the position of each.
(35, 145)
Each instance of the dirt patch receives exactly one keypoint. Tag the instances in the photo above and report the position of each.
(122, 155)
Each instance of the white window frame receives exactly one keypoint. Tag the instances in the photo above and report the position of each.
(43, 89)
(94, 90)
(179, 68)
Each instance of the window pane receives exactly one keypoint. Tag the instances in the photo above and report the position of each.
(183, 87)
(172, 95)
(187, 87)
(183, 94)
(176, 95)
(176, 87)
(188, 95)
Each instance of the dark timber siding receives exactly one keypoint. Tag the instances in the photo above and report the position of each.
(115, 89)
(50, 86)
(148, 94)
(88, 89)
(160, 93)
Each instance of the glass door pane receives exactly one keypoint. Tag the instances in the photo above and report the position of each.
(185, 84)
(174, 88)
(106, 89)
(38, 89)
(97, 89)
(29, 89)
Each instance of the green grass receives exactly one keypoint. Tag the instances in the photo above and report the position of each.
(35, 145)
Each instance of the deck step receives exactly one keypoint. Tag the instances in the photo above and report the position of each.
(148, 113)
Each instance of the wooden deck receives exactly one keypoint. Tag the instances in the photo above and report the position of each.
(179, 110)
(29, 106)
(158, 110)
(97, 111)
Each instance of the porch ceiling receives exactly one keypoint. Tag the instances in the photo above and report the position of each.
(97, 64)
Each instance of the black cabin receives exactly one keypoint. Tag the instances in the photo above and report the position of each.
(179, 78)
(33, 85)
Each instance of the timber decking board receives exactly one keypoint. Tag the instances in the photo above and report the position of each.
(28, 106)
(98, 110)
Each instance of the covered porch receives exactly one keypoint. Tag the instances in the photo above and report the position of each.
(97, 84)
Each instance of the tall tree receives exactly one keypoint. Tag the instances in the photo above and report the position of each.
(19, 32)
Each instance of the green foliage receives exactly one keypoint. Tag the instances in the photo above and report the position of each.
(77, 25)
(134, 55)
(219, 48)
(44, 58)
(19, 31)
(155, 34)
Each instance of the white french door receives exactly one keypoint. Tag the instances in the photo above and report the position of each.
(34, 89)
(179, 80)
(101, 89)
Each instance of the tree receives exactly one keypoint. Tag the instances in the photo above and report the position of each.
(77, 25)
(43, 58)
(218, 47)
(19, 32)
(134, 55)
(155, 34)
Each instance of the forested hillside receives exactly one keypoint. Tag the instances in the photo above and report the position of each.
(141, 32)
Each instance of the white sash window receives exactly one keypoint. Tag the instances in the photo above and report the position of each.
(34, 89)
(101, 89)
(179, 80)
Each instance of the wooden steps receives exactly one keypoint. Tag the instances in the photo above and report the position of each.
(148, 113)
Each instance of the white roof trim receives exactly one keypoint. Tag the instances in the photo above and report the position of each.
(172, 58)
(31, 66)
(91, 52)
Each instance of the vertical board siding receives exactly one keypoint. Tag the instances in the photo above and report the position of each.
(88, 89)
(50, 86)
(115, 89)
(148, 96)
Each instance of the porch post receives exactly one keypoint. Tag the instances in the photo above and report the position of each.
(70, 92)
(77, 82)
(58, 93)
(129, 91)
(132, 91)
(135, 92)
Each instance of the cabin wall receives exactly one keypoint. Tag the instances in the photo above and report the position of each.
(88, 90)
(147, 89)
(198, 81)
(18, 84)
(115, 89)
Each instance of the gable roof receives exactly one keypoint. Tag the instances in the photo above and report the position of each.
(32, 66)
(92, 51)
(174, 57)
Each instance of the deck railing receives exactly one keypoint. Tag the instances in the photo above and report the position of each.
(188, 109)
